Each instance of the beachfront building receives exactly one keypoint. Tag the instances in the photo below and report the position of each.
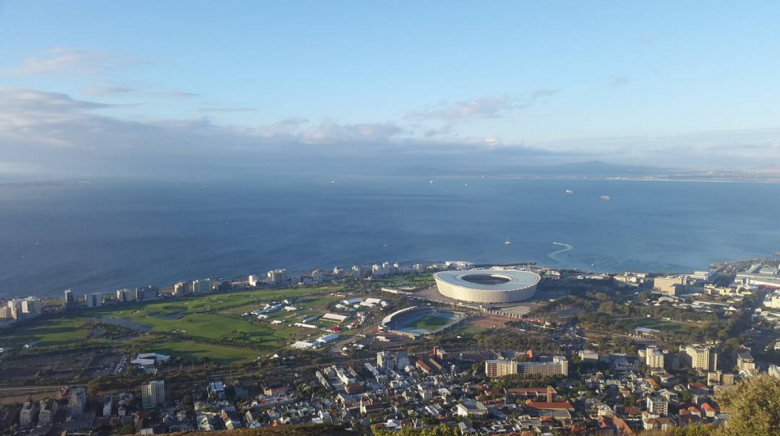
(94, 300)
(202, 286)
(277, 277)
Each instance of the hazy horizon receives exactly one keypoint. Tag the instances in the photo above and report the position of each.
(164, 89)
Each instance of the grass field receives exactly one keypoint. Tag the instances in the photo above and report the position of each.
(430, 322)
(212, 317)
(471, 329)
(189, 350)
(59, 331)
(402, 281)
(666, 326)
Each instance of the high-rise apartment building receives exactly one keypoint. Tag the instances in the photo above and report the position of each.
(703, 357)
(153, 394)
(654, 358)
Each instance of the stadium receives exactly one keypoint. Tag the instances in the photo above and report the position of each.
(487, 286)
(417, 321)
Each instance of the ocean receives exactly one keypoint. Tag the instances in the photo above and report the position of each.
(105, 235)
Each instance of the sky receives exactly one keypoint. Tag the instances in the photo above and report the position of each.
(100, 88)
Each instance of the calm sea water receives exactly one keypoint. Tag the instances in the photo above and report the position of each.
(103, 236)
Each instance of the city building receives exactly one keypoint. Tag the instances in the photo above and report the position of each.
(123, 295)
(153, 394)
(68, 299)
(500, 368)
(28, 414)
(702, 357)
(23, 308)
(277, 277)
(657, 405)
(49, 409)
(772, 301)
(181, 288)
(361, 271)
(201, 286)
(471, 408)
(759, 275)
(146, 293)
(378, 271)
(94, 300)
(720, 378)
(671, 285)
(108, 403)
(558, 366)
(385, 361)
(77, 400)
(745, 361)
(588, 356)
(654, 358)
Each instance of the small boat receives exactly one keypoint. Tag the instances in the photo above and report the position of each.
(777, 253)
(569, 191)
(605, 197)
(507, 242)
(431, 182)
(385, 246)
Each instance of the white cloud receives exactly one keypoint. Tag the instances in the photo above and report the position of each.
(108, 90)
(174, 94)
(482, 107)
(66, 59)
(331, 132)
(226, 109)
(452, 114)
(53, 131)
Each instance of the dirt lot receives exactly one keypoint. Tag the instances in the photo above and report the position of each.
(490, 321)
(102, 365)
(64, 366)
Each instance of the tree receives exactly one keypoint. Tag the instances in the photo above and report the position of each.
(754, 407)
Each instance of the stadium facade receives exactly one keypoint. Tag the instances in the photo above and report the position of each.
(487, 286)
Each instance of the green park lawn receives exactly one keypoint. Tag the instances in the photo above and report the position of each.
(53, 332)
(211, 317)
(189, 350)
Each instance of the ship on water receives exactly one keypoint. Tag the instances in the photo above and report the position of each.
(605, 197)
(569, 191)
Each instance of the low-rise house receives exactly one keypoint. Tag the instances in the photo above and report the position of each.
(470, 407)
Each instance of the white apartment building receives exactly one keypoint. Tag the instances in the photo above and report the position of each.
(153, 394)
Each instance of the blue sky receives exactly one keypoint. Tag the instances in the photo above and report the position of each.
(691, 84)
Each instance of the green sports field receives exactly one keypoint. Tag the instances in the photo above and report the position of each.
(198, 320)
(431, 322)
